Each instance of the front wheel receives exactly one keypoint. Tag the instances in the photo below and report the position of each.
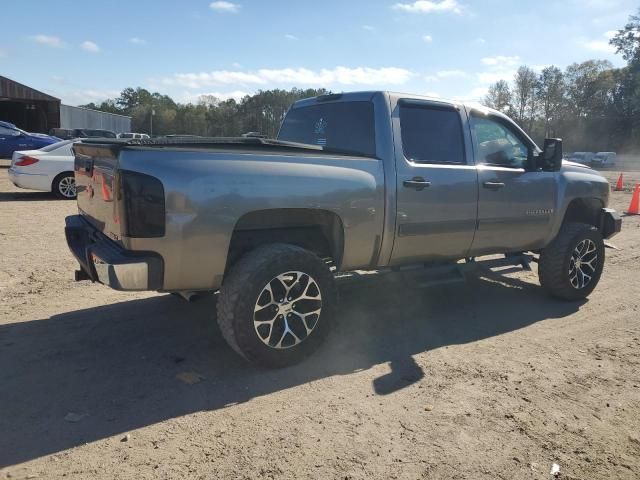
(571, 265)
(64, 186)
(276, 305)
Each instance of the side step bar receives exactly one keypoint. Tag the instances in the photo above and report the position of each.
(427, 275)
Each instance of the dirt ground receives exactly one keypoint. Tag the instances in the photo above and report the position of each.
(487, 379)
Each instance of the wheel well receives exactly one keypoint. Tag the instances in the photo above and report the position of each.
(55, 179)
(584, 210)
(319, 231)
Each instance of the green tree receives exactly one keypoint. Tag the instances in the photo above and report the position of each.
(627, 40)
(499, 97)
(524, 88)
(551, 94)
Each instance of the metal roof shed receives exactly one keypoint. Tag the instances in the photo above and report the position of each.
(27, 107)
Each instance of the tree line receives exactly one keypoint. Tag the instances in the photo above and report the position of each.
(209, 116)
(591, 105)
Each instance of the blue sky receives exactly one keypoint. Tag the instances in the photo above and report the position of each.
(88, 51)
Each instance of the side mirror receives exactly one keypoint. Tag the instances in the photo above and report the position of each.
(550, 160)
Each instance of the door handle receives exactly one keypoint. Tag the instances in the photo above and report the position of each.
(493, 185)
(418, 183)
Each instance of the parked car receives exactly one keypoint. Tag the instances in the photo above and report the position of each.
(604, 159)
(134, 135)
(370, 180)
(49, 169)
(583, 158)
(12, 138)
(71, 133)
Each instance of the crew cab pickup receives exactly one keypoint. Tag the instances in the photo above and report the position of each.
(367, 180)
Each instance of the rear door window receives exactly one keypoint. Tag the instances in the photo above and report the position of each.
(343, 126)
(431, 134)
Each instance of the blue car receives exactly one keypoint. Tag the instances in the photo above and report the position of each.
(12, 139)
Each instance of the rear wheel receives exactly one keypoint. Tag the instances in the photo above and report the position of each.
(64, 186)
(276, 305)
(571, 265)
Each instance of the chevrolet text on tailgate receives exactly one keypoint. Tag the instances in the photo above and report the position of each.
(369, 180)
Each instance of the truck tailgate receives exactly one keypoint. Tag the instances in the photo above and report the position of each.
(95, 171)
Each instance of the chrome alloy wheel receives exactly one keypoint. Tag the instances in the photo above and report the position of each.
(67, 187)
(583, 264)
(287, 310)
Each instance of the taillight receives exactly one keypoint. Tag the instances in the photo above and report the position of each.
(24, 161)
(143, 204)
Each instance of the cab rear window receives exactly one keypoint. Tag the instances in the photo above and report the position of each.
(342, 126)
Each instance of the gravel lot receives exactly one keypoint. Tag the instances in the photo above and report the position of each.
(488, 379)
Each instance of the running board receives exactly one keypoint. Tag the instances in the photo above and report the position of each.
(427, 275)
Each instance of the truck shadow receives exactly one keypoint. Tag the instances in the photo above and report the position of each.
(26, 196)
(116, 365)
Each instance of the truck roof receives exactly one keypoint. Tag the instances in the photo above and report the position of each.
(367, 95)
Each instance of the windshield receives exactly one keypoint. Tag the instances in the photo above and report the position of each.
(341, 126)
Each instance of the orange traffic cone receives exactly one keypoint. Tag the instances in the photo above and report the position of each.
(634, 206)
(620, 184)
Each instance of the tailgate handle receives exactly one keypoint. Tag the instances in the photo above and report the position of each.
(418, 183)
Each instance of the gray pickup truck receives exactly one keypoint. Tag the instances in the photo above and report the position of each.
(356, 181)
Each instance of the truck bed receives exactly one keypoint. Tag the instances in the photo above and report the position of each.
(219, 143)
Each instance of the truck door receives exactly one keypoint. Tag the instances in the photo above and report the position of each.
(437, 185)
(516, 204)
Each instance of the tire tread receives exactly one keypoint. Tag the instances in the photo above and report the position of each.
(552, 259)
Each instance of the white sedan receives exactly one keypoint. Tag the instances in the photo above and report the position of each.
(49, 169)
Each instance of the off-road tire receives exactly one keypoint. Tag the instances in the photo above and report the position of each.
(56, 185)
(244, 283)
(555, 259)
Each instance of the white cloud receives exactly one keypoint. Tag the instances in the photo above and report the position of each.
(82, 97)
(288, 36)
(293, 76)
(369, 28)
(137, 41)
(223, 6)
(501, 61)
(475, 95)
(429, 6)
(48, 40)
(445, 74)
(601, 46)
(493, 77)
(480, 41)
(90, 46)
(427, 39)
(539, 68)
(599, 3)
(500, 67)
(451, 74)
